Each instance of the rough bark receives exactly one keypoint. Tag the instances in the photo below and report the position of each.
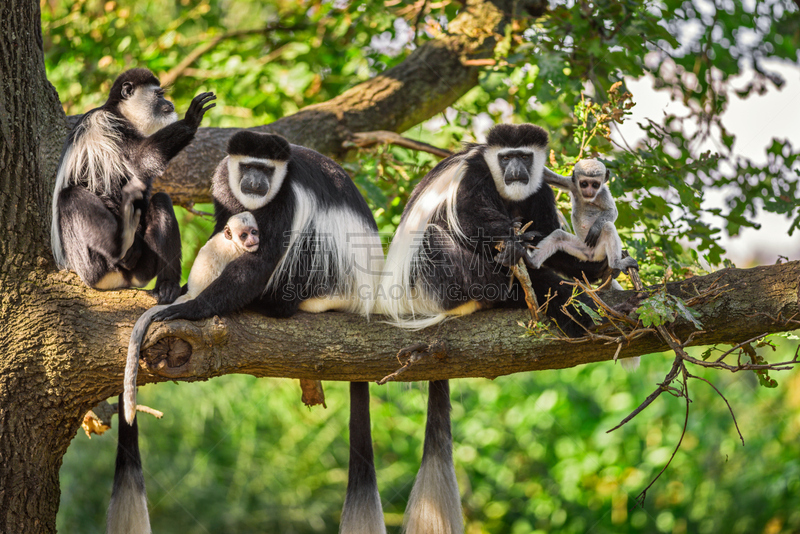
(338, 346)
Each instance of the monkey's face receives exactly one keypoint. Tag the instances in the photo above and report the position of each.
(588, 176)
(588, 186)
(245, 237)
(517, 172)
(255, 181)
(146, 107)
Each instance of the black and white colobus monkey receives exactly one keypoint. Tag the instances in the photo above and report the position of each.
(443, 262)
(106, 226)
(325, 255)
(593, 216)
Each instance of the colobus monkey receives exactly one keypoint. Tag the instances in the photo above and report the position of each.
(593, 216)
(325, 255)
(127, 512)
(240, 235)
(443, 262)
(105, 225)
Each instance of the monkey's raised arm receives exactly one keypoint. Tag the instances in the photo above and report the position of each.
(562, 182)
(156, 151)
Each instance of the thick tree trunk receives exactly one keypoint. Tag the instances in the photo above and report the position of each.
(34, 374)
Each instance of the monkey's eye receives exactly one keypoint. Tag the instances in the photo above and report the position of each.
(505, 158)
(584, 184)
(254, 232)
(595, 185)
(246, 166)
(525, 157)
(243, 236)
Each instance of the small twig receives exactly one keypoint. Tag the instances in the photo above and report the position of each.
(367, 139)
(191, 209)
(735, 423)
(177, 71)
(740, 345)
(415, 353)
(677, 364)
(641, 497)
(146, 409)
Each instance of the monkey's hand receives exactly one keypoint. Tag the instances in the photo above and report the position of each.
(593, 236)
(198, 108)
(623, 264)
(515, 248)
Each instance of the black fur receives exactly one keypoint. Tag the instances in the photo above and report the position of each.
(247, 143)
(90, 223)
(243, 281)
(515, 136)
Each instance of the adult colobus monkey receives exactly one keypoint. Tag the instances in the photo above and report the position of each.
(326, 255)
(127, 511)
(105, 225)
(443, 262)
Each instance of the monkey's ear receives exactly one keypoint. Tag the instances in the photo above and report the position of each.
(608, 175)
(228, 234)
(127, 90)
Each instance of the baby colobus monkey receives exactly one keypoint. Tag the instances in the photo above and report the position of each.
(239, 236)
(105, 225)
(593, 216)
(127, 512)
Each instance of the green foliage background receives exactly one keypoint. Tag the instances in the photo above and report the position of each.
(242, 455)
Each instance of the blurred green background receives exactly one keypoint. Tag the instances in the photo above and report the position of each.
(239, 454)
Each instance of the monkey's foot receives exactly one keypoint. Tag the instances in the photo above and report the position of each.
(626, 263)
(166, 292)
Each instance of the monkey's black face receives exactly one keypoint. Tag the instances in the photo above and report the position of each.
(255, 181)
(516, 165)
(255, 178)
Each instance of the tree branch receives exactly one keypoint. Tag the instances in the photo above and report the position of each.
(340, 346)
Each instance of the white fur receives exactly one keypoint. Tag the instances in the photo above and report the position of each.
(516, 191)
(127, 511)
(95, 160)
(111, 280)
(363, 517)
(432, 508)
(139, 110)
(406, 306)
(353, 253)
(211, 260)
(253, 202)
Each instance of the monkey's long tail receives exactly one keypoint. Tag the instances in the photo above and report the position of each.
(434, 506)
(127, 511)
(362, 513)
(132, 363)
